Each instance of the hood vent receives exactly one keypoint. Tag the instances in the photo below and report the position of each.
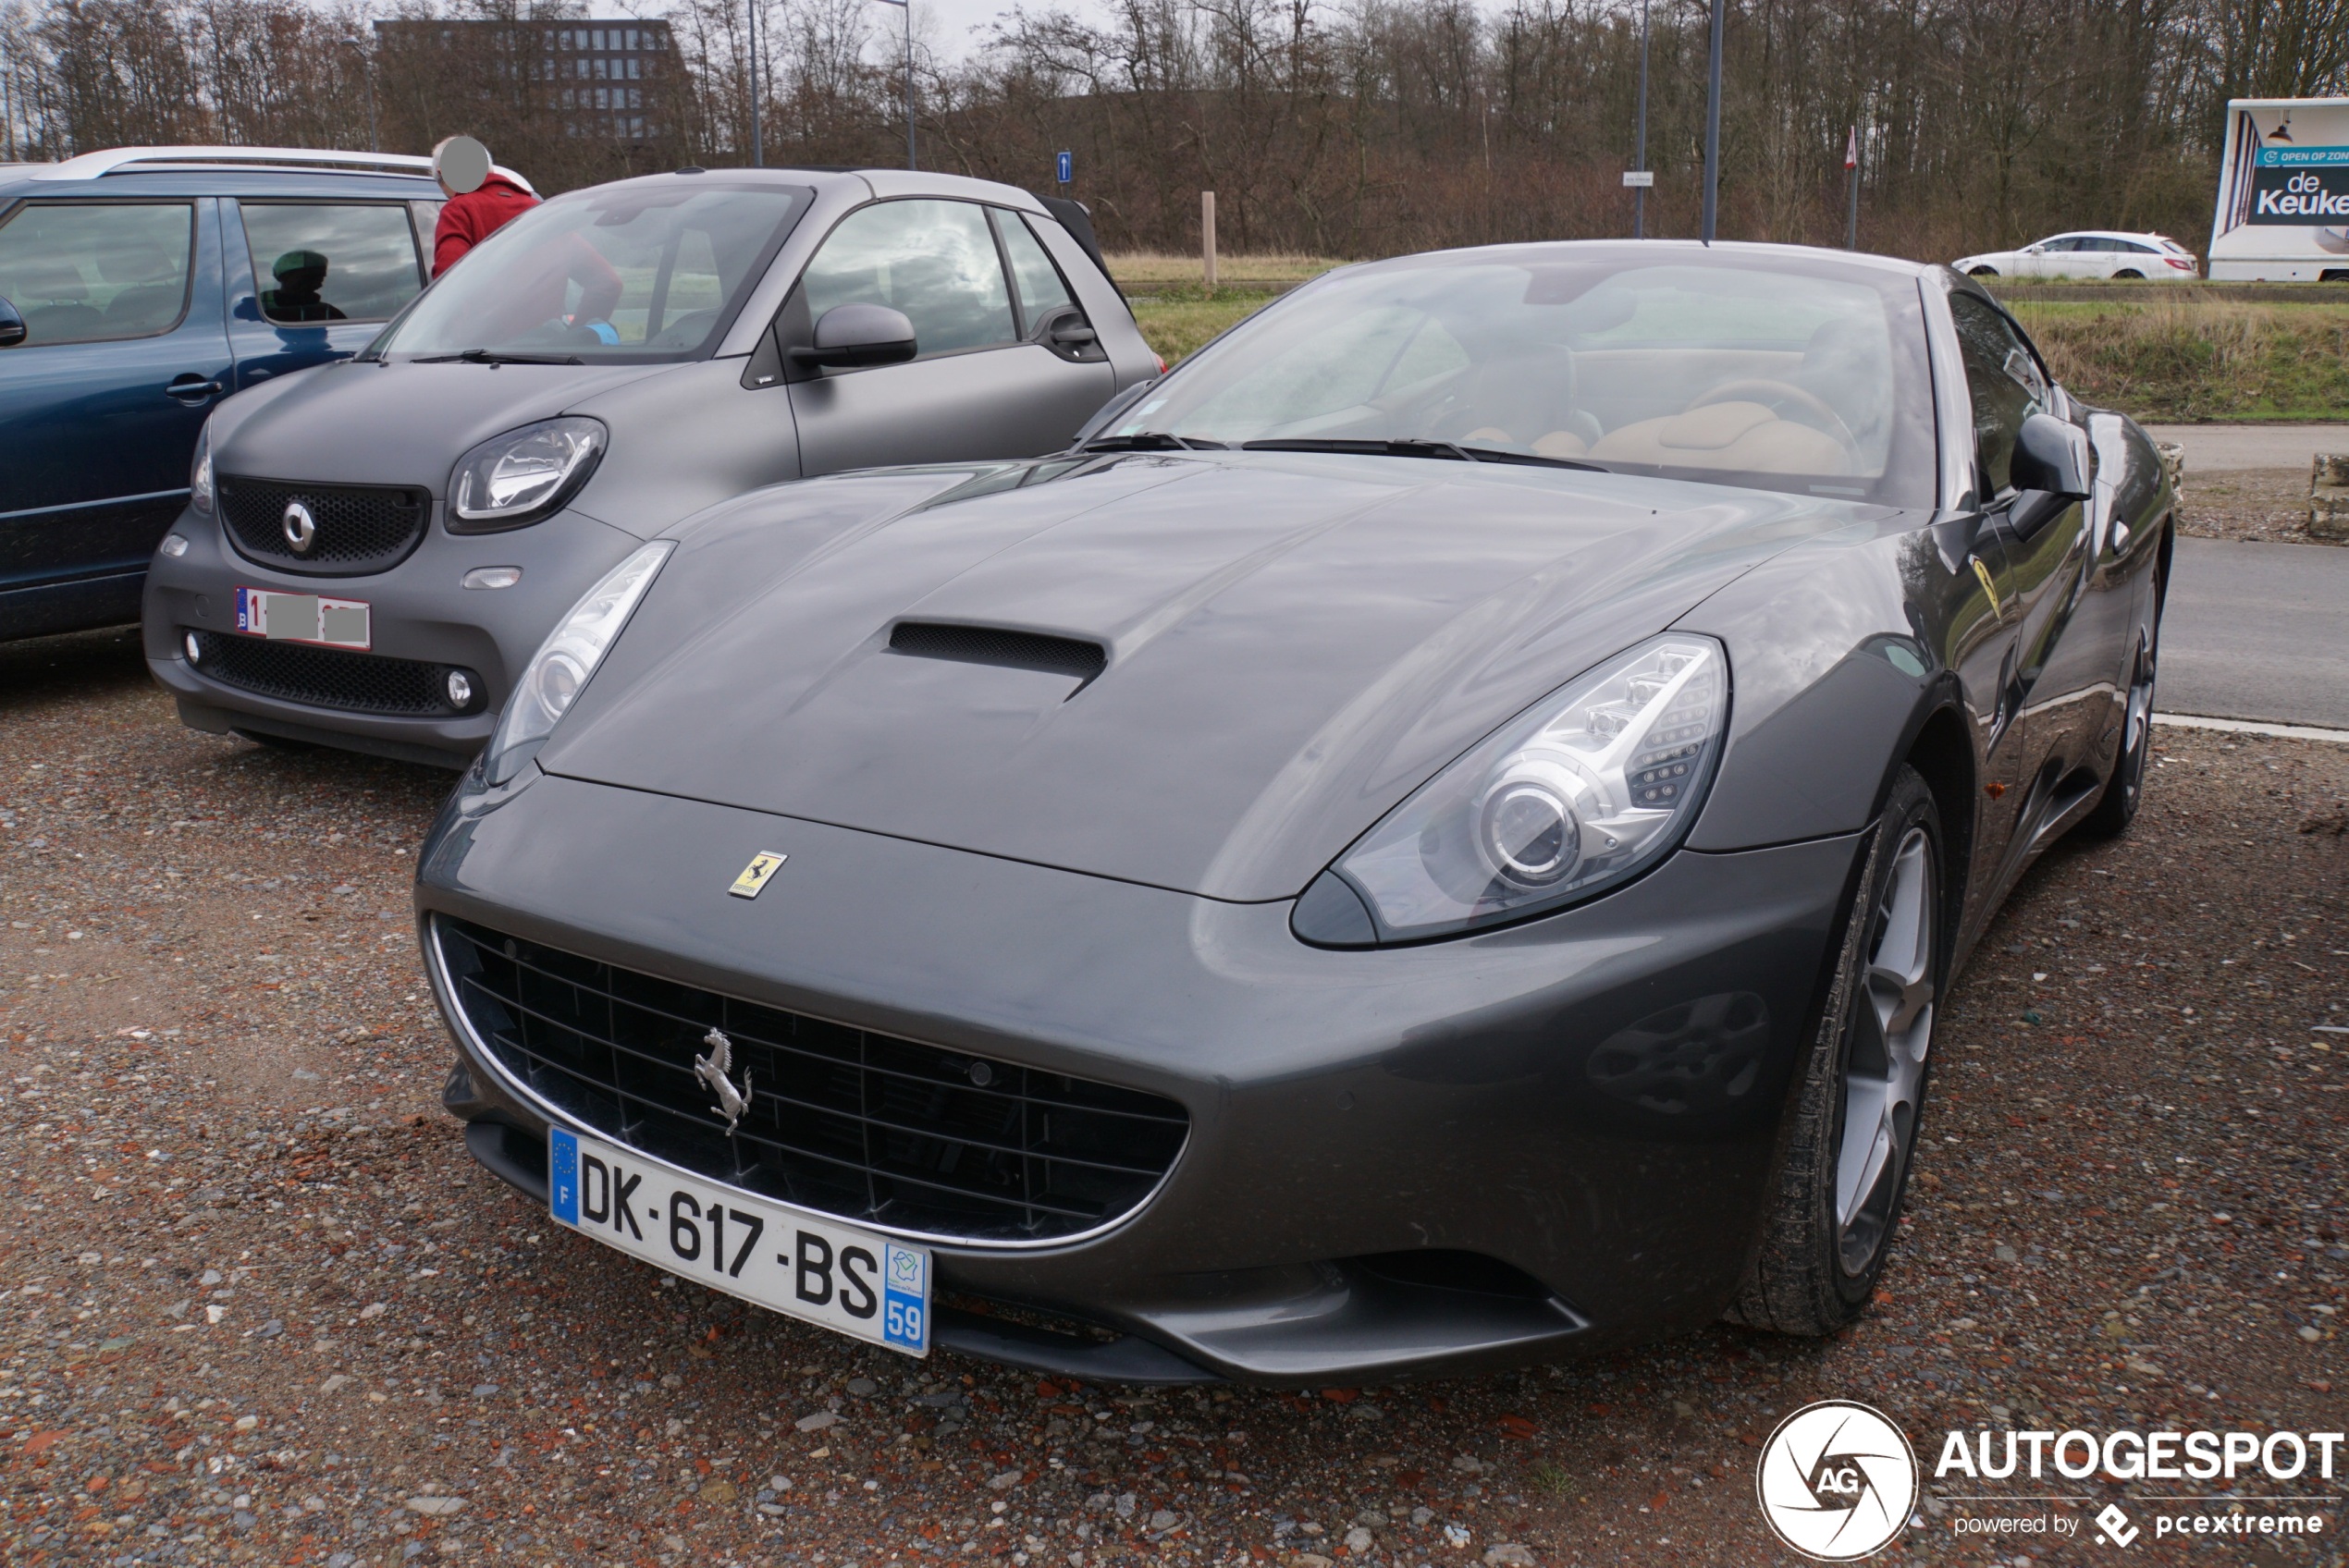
(1074, 657)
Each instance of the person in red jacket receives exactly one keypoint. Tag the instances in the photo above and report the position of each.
(482, 200)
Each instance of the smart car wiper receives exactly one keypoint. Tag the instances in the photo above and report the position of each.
(497, 357)
(1150, 441)
(1413, 446)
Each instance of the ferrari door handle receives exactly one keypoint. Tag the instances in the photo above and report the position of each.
(191, 388)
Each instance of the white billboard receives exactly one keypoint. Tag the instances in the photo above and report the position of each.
(2284, 192)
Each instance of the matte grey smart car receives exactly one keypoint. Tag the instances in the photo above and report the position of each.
(1433, 838)
(372, 550)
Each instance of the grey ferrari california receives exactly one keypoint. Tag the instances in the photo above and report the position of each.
(1433, 837)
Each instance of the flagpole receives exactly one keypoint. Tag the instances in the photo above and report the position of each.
(1851, 177)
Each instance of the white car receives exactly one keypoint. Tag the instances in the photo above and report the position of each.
(2089, 253)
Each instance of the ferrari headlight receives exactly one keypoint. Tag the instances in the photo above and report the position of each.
(200, 474)
(521, 476)
(1580, 794)
(553, 678)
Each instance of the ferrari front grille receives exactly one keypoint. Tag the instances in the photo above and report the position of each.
(848, 1121)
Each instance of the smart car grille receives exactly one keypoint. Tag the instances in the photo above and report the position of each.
(325, 678)
(361, 528)
(863, 1125)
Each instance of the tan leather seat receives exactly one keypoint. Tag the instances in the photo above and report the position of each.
(1737, 437)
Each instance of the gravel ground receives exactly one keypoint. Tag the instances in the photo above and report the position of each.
(258, 1307)
(2270, 505)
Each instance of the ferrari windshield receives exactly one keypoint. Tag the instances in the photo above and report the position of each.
(625, 273)
(1783, 372)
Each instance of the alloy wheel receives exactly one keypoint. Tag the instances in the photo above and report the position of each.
(1884, 1074)
(2137, 730)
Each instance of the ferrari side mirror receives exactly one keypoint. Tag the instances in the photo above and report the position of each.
(11, 326)
(2051, 455)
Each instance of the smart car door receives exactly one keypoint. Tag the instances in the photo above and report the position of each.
(310, 281)
(1004, 365)
(124, 354)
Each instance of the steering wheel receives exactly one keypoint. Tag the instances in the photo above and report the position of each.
(1768, 392)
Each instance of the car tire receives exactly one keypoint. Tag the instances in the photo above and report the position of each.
(2124, 786)
(1831, 1219)
(2130, 271)
(1983, 272)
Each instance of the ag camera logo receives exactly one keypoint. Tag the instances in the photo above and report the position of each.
(1837, 1481)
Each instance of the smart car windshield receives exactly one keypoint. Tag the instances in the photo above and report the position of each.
(1784, 374)
(622, 274)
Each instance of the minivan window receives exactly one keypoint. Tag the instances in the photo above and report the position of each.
(934, 259)
(314, 262)
(85, 273)
(611, 275)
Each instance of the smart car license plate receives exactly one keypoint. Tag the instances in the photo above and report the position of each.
(863, 1285)
(303, 617)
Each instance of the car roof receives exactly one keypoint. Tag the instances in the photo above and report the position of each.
(1688, 250)
(877, 183)
(215, 170)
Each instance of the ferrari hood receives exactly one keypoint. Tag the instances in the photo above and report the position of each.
(1203, 672)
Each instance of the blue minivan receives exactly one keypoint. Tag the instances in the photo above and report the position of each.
(139, 287)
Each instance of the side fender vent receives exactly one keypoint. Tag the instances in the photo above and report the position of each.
(1072, 656)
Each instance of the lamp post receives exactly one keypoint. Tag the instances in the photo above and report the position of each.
(907, 6)
(1640, 153)
(758, 133)
(367, 74)
(1712, 127)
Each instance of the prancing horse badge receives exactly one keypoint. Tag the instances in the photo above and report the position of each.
(757, 873)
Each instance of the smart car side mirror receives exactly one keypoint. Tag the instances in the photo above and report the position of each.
(853, 337)
(11, 326)
(2051, 455)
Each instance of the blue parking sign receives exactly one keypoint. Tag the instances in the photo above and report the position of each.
(1064, 166)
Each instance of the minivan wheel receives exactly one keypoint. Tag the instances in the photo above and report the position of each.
(1837, 1204)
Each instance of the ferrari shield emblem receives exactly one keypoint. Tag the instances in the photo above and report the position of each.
(756, 875)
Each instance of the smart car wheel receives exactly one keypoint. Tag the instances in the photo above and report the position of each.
(2117, 806)
(1838, 1194)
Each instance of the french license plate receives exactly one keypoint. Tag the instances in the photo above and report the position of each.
(303, 617)
(838, 1277)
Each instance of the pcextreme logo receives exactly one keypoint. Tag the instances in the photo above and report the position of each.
(1837, 1481)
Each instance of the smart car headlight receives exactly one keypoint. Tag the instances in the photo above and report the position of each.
(553, 678)
(523, 475)
(1581, 792)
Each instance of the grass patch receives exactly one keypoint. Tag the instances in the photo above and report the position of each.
(2190, 362)
(1178, 322)
(1153, 269)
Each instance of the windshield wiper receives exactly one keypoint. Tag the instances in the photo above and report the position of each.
(1399, 447)
(1502, 455)
(1414, 447)
(1150, 441)
(497, 357)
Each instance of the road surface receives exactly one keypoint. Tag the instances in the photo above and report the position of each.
(2218, 448)
(2258, 631)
